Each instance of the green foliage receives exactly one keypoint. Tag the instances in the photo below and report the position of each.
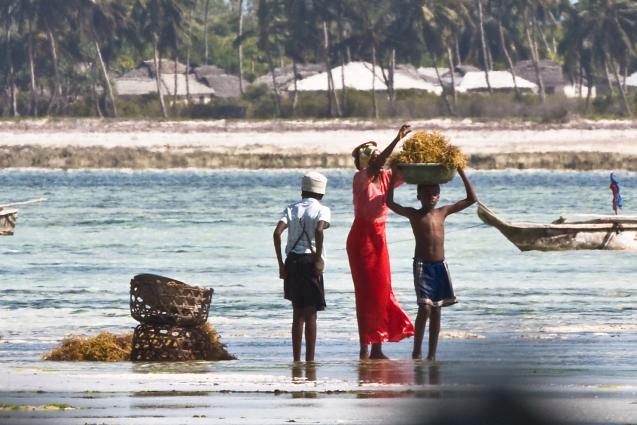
(219, 108)
(593, 36)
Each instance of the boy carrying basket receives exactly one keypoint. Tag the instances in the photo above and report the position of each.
(431, 275)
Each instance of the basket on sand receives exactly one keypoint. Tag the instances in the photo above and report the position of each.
(174, 343)
(427, 157)
(158, 300)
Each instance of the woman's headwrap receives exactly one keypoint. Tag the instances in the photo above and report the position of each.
(363, 153)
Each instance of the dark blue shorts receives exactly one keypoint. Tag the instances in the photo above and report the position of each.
(432, 283)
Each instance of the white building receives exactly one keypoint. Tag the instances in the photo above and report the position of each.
(360, 76)
(475, 81)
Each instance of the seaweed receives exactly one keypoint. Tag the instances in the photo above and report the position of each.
(104, 347)
(429, 147)
(109, 347)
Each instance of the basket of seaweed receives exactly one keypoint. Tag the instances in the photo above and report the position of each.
(428, 158)
(176, 343)
(160, 300)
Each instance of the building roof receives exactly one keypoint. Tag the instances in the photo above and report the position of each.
(552, 75)
(499, 80)
(429, 73)
(126, 86)
(224, 85)
(285, 75)
(360, 76)
(166, 66)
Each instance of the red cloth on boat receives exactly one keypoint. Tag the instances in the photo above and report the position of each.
(380, 317)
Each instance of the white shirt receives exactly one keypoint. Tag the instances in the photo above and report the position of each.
(307, 213)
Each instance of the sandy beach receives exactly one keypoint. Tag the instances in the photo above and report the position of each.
(90, 143)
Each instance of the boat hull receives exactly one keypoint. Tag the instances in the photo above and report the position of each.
(613, 235)
(7, 222)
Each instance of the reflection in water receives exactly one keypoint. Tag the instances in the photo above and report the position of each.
(386, 372)
(173, 367)
(298, 369)
(398, 372)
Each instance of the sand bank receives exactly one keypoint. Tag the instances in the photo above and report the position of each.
(298, 144)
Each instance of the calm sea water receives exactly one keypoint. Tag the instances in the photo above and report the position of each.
(68, 266)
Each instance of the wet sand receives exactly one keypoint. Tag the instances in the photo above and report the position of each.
(582, 145)
(520, 381)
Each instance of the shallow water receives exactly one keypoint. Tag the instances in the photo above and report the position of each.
(66, 270)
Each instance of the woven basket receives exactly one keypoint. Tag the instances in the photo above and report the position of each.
(426, 173)
(163, 301)
(169, 343)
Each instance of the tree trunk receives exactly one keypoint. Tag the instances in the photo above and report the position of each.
(390, 82)
(95, 78)
(33, 109)
(611, 89)
(374, 104)
(589, 93)
(157, 61)
(187, 71)
(483, 42)
(295, 95)
(107, 80)
(535, 59)
(629, 112)
(508, 58)
(275, 89)
(205, 30)
(444, 92)
(453, 79)
(175, 60)
(341, 58)
(11, 74)
(331, 89)
(457, 45)
(241, 47)
(57, 90)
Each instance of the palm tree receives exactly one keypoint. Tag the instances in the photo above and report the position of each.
(104, 20)
(301, 36)
(158, 22)
(504, 14)
(270, 15)
(609, 29)
(7, 10)
(483, 43)
(240, 47)
(443, 20)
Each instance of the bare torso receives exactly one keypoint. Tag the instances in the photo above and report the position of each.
(429, 232)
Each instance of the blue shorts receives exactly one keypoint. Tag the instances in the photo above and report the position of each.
(432, 283)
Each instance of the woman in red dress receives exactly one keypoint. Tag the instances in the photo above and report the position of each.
(380, 317)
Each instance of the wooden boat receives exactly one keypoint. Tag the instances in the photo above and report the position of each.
(614, 232)
(7, 221)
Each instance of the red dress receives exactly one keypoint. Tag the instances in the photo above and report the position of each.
(380, 317)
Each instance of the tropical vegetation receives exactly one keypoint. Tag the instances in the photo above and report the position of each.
(59, 57)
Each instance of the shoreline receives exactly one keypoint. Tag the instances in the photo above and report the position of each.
(273, 144)
(143, 158)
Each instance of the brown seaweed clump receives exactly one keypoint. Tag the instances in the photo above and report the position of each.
(429, 147)
(104, 347)
(109, 347)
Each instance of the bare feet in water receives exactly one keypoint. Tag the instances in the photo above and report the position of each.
(364, 354)
(377, 352)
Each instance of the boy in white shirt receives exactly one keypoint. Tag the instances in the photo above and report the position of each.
(302, 270)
